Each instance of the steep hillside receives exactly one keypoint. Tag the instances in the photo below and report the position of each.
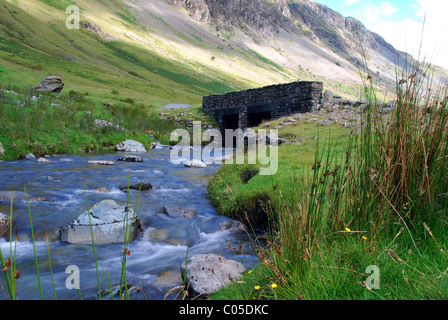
(302, 34)
(172, 51)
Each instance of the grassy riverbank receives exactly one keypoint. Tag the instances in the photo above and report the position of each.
(347, 207)
(68, 123)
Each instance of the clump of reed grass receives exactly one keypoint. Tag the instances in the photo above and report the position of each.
(391, 179)
(399, 164)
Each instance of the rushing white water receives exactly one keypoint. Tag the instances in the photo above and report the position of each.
(65, 185)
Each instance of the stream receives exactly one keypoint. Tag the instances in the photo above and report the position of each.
(156, 255)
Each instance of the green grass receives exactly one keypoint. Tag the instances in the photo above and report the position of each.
(234, 198)
(59, 4)
(335, 206)
(32, 48)
(64, 124)
(266, 60)
(376, 198)
(337, 270)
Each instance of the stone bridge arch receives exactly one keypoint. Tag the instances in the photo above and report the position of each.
(249, 108)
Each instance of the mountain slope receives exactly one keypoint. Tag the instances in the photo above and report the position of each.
(164, 51)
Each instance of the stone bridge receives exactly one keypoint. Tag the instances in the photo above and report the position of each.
(250, 107)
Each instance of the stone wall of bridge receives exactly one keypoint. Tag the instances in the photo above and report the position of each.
(248, 108)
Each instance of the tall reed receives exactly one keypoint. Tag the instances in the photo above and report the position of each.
(399, 166)
(392, 175)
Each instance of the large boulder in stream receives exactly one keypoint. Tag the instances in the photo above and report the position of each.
(130, 146)
(109, 221)
(207, 273)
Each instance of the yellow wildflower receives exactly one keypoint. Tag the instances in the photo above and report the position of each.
(365, 238)
(348, 230)
(257, 287)
(274, 285)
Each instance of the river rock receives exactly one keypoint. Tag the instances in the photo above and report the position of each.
(207, 273)
(130, 159)
(156, 145)
(234, 225)
(4, 226)
(108, 220)
(30, 156)
(38, 199)
(175, 236)
(195, 164)
(178, 212)
(168, 279)
(50, 84)
(144, 186)
(102, 163)
(43, 160)
(5, 196)
(130, 146)
(132, 290)
(102, 189)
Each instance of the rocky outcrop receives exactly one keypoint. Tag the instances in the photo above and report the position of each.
(259, 16)
(345, 36)
(109, 221)
(2, 150)
(104, 123)
(207, 273)
(50, 84)
(97, 31)
(130, 146)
